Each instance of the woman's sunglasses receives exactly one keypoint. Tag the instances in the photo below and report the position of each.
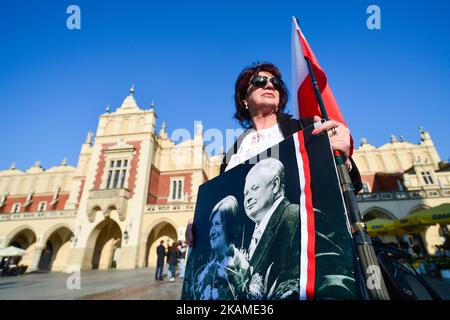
(261, 82)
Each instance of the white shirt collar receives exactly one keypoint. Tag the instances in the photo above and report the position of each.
(254, 143)
(266, 133)
(261, 227)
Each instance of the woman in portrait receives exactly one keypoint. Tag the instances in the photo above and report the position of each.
(223, 276)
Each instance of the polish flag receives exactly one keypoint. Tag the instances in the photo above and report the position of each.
(305, 100)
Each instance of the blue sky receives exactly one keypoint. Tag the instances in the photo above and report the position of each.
(185, 55)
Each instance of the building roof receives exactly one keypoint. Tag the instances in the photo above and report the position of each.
(382, 182)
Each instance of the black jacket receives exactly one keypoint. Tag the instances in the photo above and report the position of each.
(161, 253)
(289, 126)
(172, 256)
(278, 248)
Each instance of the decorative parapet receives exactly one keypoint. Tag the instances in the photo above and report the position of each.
(109, 194)
(163, 208)
(38, 215)
(403, 195)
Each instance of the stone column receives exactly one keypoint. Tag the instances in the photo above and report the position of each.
(128, 257)
(141, 253)
(36, 258)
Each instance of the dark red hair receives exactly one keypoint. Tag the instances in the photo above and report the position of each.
(241, 86)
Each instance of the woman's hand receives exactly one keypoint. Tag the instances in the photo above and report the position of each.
(189, 235)
(339, 135)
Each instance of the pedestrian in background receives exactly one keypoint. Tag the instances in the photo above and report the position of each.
(161, 254)
(182, 249)
(172, 261)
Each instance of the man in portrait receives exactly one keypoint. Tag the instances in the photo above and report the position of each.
(274, 249)
(275, 246)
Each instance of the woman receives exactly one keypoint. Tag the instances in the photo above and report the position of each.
(214, 280)
(260, 99)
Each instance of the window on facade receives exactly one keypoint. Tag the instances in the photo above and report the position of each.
(117, 173)
(42, 206)
(177, 189)
(427, 178)
(15, 208)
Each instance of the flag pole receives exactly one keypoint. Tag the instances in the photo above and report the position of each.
(367, 259)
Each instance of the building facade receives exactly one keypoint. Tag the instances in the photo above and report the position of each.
(133, 187)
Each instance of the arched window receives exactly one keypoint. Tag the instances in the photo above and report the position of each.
(176, 190)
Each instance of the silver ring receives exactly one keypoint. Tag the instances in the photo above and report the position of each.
(334, 131)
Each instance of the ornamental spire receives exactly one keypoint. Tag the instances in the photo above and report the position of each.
(129, 104)
(363, 141)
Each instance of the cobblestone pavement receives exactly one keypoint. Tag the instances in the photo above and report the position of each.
(111, 284)
(138, 284)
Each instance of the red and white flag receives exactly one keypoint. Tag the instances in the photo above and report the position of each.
(305, 100)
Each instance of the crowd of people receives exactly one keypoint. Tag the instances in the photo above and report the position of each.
(174, 255)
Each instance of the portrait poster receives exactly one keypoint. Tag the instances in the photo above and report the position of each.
(273, 227)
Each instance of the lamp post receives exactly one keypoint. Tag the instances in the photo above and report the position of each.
(74, 240)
